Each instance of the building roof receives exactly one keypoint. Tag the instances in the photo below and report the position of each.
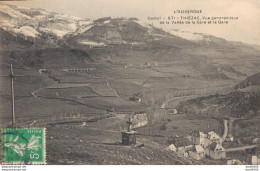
(206, 142)
(188, 147)
(198, 149)
(213, 135)
(216, 147)
(172, 146)
(181, 142)
(211, 132)
(128, 132)
(197, 133)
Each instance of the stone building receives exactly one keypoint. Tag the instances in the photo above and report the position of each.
(172, 148)
(216, 151)
(214, 137)
(255, 160)
(197, 152)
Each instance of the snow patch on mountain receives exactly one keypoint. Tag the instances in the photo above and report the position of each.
(33, 22)
(90, 43)
(84, 22)
(143, 24)
(186, 35)
(57, 32)
(13, 12)
(107, 21)
(73, 26)
(84, 28)
(27, 31)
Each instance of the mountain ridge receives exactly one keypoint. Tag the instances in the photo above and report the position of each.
(36, 23)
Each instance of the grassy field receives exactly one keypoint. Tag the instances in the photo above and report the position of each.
(65, 92)
(68, 92)
(247, 128)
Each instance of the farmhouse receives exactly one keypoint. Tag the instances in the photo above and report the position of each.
(216, 151)
(173, 111)
(135, 99)
(197, 137)
(229, 138)
(197, 152)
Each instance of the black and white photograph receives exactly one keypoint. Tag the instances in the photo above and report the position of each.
(127, 82)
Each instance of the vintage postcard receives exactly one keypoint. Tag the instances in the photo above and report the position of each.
(130, 82)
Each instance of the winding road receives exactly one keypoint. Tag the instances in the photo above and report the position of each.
(111, 88)
(225, 122)
(241, 148)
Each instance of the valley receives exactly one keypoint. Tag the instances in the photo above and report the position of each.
(83, 79)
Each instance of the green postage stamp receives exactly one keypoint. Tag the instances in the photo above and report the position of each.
(23, 146)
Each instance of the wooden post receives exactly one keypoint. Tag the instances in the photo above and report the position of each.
(12, 76)
(12, 93)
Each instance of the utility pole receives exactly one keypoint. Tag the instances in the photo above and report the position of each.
(12, 76)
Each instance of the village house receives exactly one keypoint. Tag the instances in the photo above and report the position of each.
(197, 137)
(229, 138)
(197, 152)
(212, 136)
(234, 162)
(216, 151)
(172, 148)
(255, 160)
(180, 149)
(135, 99)
(256, 141)
(182, 152)
(206, 143)
(188, 147)
(173, 112)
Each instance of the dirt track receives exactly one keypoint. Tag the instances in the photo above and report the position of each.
(241, 148)
(164, 104)
(225, 122)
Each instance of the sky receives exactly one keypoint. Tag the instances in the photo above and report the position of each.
(246, 29)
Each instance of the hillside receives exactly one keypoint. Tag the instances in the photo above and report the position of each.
(253, 80)
(158, 64)
(239, 103)
(103, 147)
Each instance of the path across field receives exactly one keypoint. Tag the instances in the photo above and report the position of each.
(241, 148)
